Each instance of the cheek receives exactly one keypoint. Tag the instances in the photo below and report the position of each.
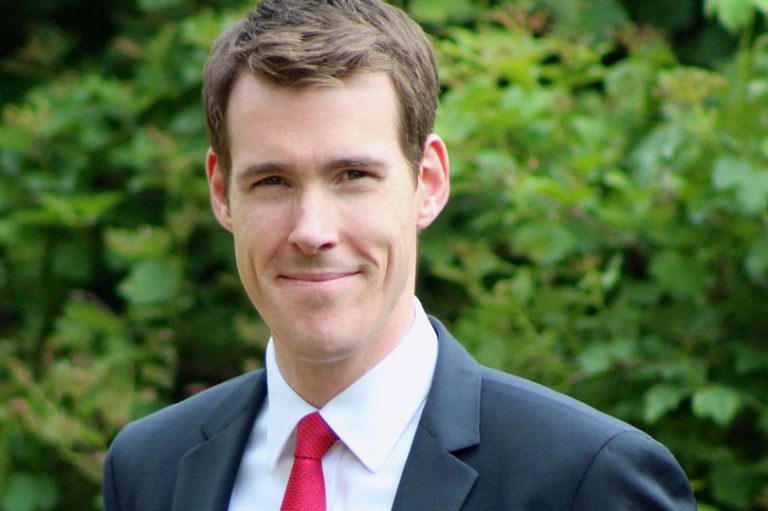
(391, 231)
(256, 236)
(256, 224)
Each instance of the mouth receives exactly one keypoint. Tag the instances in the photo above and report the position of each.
(318, 277)
(319, 282)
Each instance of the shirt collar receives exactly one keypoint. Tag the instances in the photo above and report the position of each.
(371, 414)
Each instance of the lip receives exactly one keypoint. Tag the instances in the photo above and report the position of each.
(318, 277)
(314, 283)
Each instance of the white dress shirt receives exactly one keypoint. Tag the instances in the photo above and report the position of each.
(375, 419)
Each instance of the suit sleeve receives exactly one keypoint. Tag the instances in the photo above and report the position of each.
(633, 471)
(109, 493)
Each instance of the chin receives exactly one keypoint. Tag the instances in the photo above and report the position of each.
(323, 340)
(327, 350)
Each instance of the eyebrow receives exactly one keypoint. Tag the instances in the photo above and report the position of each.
(276, 167)
(355, 162)
(260, 169)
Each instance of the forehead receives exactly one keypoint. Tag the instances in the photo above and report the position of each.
(359, 111)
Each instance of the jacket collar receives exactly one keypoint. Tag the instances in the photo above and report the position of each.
(207, 472)
(433, 477)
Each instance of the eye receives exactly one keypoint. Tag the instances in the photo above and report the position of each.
(269, 181)
(351, 175)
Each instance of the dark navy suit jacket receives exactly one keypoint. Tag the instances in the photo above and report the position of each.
(486, 441)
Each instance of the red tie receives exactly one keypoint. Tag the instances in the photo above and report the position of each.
(306, 487)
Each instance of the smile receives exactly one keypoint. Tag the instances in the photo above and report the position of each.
(318, 281)
(318, 277)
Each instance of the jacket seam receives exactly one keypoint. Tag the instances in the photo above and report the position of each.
(113, 483)
(592, 463)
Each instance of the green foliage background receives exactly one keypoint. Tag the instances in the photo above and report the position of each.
(607, 233)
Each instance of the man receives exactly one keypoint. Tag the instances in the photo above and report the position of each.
(324, 168)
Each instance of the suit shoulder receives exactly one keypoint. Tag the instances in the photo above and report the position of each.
(181, 421)
(512, 398)
(589, 455)
(142, 462)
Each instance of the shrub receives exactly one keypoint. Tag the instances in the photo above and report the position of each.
(607, 235)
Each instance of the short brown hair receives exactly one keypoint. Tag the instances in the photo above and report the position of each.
(298, 43)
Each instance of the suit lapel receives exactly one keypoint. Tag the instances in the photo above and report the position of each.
(433, 477)
(207, 472)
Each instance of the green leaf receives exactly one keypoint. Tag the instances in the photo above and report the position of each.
(94, 315)
(156, 5)
(734, 483)
(735, 15)
(750, 360)
(756, 262)
(522, 286)
(717, 402)
(749, 182)
(153, 281)
(545, 242)
(661, 399)
(587, 17)
(72, 259)
(80, 210)
(661, 148)
(29, 492)
(600, 357)
(145, 242)
(678, 275)
(762, 5)
(596, 359)
(439, 11)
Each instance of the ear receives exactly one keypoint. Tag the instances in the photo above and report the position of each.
(434, 183)
(217, 186)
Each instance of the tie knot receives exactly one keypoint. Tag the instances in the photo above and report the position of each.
(313, 437)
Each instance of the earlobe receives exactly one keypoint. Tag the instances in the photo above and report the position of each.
(434, 181)
(218, 190)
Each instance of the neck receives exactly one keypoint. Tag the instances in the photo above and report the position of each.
(319, 381)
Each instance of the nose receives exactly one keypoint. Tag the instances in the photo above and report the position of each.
(314, 226)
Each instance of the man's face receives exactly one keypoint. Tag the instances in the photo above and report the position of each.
(325, 210)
